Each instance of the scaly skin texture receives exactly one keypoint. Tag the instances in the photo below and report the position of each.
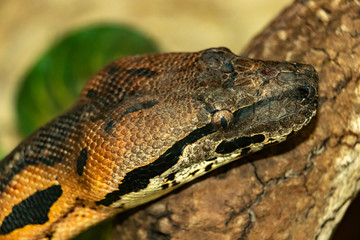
(143, 126)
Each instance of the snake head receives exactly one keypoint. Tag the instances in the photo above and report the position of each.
(180, 115)
(243, 106)
(256, 102)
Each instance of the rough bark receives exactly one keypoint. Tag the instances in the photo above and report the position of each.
(296, 190)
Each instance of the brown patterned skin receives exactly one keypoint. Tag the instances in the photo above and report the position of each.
(143, 126)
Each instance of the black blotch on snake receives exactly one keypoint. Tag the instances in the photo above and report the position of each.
(208, 167)
(241, 142)
(141, 72)
(32, 210)
(140, 106)
(112, 69)
(91, 94)
(81, 161)
(109, 125)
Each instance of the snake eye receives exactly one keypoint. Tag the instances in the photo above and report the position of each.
(222, 119)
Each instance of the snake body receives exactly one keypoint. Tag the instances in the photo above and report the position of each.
(143, 126)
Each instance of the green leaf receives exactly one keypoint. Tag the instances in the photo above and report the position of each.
(103, 231)
(54, 82)
(2, 154)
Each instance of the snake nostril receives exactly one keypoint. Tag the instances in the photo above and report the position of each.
(304, 91)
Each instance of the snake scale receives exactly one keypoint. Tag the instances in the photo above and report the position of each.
(143, 126)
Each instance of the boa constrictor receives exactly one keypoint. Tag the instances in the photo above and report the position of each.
(143, 126)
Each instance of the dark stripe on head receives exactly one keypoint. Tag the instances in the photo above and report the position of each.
(140, 106)
(139, 178)
(112, 69)
(109, 125)
(241, 142)
(229, 84)
(91, 93)
(141, 72)
(295, 93)
(243, 113)
(81, 161)
(32, 210)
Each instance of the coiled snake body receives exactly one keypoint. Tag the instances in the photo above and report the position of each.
(142, 126)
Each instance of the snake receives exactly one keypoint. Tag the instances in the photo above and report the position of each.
(143, 126)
